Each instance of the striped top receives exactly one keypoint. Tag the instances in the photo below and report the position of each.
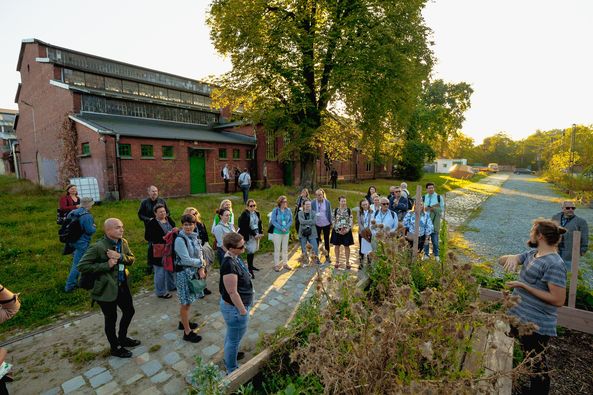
(537, 273)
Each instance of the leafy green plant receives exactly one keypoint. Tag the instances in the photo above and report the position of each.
(207, 379)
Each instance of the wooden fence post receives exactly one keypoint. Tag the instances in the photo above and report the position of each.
(417, 228)
(576, 253)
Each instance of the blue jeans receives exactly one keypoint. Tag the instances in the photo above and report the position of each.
(79, 249)
(434, 238)
(236, 326)
(312, 241)
(245, 194)
(163, 281)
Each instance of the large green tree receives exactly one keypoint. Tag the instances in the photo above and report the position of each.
(438, 117)
(295, 60)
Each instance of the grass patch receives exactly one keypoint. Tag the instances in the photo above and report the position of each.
(154, 348)
(31, 262)
(81, 356)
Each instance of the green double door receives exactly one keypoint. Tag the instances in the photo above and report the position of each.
(197, 171)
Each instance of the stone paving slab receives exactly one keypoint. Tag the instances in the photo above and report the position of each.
(163, 360)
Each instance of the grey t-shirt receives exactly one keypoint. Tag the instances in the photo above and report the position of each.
(537, 273)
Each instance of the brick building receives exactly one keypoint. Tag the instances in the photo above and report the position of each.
(132, 127)
(7, 140)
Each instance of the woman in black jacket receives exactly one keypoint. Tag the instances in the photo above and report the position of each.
(250, 228)
(156, 228)
(200, 229)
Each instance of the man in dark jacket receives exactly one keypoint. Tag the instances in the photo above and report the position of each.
(568, 220)
(107, 260)
(397, 203)
(146, 213)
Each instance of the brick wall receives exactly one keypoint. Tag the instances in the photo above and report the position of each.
(39, 146)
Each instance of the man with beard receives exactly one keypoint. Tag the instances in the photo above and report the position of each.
(542, 289)
(568, 220)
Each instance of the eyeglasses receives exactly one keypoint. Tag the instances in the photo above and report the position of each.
(240, 247)
(252, 205)
(570, 208)
(398, 191)
(384, 204)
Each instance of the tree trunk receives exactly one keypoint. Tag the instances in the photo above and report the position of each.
(308, 171)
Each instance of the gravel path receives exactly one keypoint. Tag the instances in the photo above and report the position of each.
(502, 226)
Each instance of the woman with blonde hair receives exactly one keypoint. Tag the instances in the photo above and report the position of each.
(226, 204)
(281, 219)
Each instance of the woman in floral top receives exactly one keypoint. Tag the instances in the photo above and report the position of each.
(342, 232)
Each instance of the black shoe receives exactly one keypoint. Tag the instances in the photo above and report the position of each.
(251, 274)
(207, 291)
(121, 352)
(129, 342)
(255, 268)
(192, 337)
(240, 355)
(192, 325)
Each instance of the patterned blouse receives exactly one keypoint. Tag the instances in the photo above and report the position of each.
(342, 219)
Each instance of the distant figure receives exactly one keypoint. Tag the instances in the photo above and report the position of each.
(226, 177)
(568, 220)
(146, 213)
(87, 224)
(265, 175)
(69, 202)
(333, 177)
(404, 188)
(245, 184)
(108, 258)
(542, 289)
(236, 173)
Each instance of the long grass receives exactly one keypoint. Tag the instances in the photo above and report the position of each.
(31, 262)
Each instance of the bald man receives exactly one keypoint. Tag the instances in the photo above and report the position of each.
(107, 260)
(568, 220)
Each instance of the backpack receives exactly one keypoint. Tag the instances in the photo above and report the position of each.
(71, 231)
(222, 173)
(410, 203)
(169, 256)
(438, 198)
(87, 280)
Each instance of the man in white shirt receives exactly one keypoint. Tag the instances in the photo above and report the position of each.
(385, 216)
(226, 177)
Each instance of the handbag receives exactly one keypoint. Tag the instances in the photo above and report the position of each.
(306, 231)
(208, 253)
(197, 286)
(158, 250)
(366, 234)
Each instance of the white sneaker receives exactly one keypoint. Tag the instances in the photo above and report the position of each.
(424, 257)
(438, 259)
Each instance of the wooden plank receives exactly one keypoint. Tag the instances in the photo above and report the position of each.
(473, 360)
(576, 253)
(498, 358)
(417, 229)
(248, 370)
(569, 317)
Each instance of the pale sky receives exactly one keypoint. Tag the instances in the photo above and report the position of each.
(530, 62)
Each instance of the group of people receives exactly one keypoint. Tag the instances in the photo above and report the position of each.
(541, 284)
(242, 179)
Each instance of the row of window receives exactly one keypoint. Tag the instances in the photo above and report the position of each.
(94, 81)
(102, 66)
(167, 151)
(222, 153)
(146, 110)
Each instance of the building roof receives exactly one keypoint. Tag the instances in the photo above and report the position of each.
(146, 70)
(157, 129)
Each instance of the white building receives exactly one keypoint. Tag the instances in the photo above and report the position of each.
(444, 165)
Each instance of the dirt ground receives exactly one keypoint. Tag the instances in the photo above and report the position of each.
(570, 356)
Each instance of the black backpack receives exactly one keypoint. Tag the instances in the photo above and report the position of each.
(87, 280)
(410, 203)
(70, 231)
(222, 173)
